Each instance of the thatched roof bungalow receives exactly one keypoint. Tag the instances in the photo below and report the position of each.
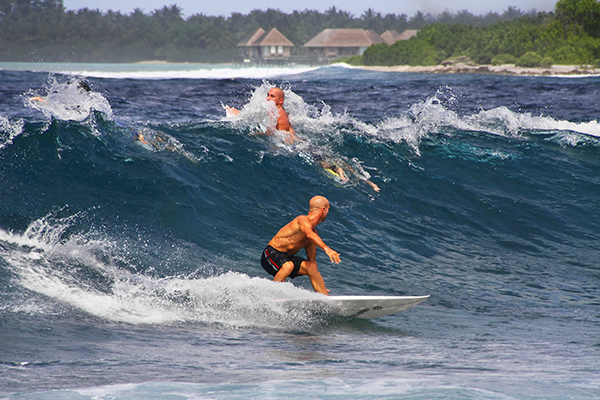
(261, 46)
(389, 37)
(333, 43)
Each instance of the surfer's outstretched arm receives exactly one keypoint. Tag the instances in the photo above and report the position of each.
(315, 239)
(231, 111)
(373, 185)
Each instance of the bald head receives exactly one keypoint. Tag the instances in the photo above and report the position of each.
(278, 91)
(317, 203)
(276, 94)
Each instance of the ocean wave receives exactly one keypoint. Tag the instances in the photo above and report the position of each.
(9, 129)
(161, 71)
(431, 117)
(94, 274)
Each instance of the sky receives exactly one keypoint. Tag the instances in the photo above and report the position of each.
(356, 7)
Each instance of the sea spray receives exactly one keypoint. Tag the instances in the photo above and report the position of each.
(93, 275)
(9, 129)
(63, 98)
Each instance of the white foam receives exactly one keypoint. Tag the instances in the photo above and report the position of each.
(47, 262)
(257, 114)
(11, 130)
(200, 73)
(312, 124)
(502, 121)
(161, 70)
(431, 117)
(63, 100)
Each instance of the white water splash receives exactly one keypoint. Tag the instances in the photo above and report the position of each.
(257, 114)
(309, 121)
(47, 261)
(505, 122)
(9, 130)
(67, 101)
(431, 117)
(319, 127)
(160, 70)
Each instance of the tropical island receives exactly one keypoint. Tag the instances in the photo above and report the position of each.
(511, 42)
(568, 36)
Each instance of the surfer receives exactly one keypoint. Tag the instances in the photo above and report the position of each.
(332, 165)
(282, 121)
(140, 137)
(82, 87)
(279, 257)
(277, 95)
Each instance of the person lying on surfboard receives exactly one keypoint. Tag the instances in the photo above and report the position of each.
(277, 96)
(279, 257)
(332, 164)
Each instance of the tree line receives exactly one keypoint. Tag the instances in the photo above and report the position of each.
(569, 35)
(43, 30)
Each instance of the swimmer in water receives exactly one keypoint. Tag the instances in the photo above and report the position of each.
(277, 96)
(160, 142)
(333, 165)
(82, 87)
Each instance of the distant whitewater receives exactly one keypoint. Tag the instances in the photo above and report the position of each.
(158, 71)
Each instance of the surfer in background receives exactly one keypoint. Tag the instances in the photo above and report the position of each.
(82, 87)
(333, 165)
(160, 142)
(277, 96)
(279, 257)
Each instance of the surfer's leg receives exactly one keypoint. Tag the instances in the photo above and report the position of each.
(310, 269)
(341, 173)
(285, 271)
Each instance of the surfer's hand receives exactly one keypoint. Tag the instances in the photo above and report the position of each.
(334, 256)
(231, 112)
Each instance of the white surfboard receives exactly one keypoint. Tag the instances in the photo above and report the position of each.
(365, 307)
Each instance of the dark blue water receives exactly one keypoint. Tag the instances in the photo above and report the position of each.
(131, 271)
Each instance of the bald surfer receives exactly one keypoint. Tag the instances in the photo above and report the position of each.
(279, 257)
(282, 121)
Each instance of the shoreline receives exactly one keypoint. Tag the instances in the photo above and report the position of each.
(506, 69)
(456, 68)
(163, 62)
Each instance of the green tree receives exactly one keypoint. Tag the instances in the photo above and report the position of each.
(579, 15)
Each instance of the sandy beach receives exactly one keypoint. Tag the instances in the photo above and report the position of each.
(507, 69)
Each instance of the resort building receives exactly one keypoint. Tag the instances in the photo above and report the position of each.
(269, 48)
(334, 43)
